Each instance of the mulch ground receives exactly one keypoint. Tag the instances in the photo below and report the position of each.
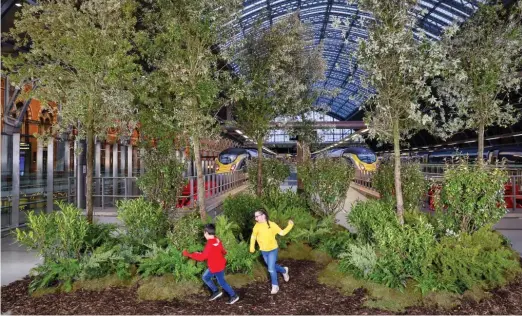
(302, 295)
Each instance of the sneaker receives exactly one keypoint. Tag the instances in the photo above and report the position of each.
(215, 295)
(286, 276)
(275, 289)
(233, 299)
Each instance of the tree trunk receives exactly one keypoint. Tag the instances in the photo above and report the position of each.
(201, 179)
(259, 191)
(397, 173)
(480, 152)
(303, 155)
(90, 168)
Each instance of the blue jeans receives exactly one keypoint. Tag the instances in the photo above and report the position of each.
(220, 276)
(270, 258)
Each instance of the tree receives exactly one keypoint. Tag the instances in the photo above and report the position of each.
(179, 46)
(483, 62)
(277, 70)
(80, 56)
(397, 66)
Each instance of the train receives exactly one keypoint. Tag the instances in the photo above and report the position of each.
(510, 155)
(360, 157)
(235, 159)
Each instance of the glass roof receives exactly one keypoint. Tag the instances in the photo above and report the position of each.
(339, 39)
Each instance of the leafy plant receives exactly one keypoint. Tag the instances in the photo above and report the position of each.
(106, 260)
(414, 185)
(361, 257)
(240, 209)
(99, 234)
(187, 232)
(470, 198)
(274, 172)
(159, 261)
(336, 243)
(56, 235)
(370, 216)
(145, 222)
(164, 179)
(325, 184)
(63, 271)
(478, 259)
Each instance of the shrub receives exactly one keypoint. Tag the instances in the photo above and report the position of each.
(145, 222)
(187, 232)
(478, 259)
(56, 235)
(61, 270)
(336, 243)
(164, 179)
(470, 198)
(274, 172)
(240, 209)
(403, 252)
(370, 216)
(100, 234)
(107, 260)
(159, 261)
(414, 185)
(325, 184)
(361, 258)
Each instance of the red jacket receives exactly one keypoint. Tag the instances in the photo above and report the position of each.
(214, 253)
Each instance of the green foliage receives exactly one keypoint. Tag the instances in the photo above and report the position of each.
(403, 252)
(336, 243)
(240, 209)
(107, 260)
(370, 216)
(99, 234)
(470, 198)
(159, 261)
(274, 172)
(362, 258)
(187, 233)
(480, 259)
(62, 270)
(239, 258)
(57, 235)
(476, 72)
(414, 185)
(326, 183)
(164, 179)
(145, 222)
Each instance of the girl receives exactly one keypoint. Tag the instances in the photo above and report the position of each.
(265, 232)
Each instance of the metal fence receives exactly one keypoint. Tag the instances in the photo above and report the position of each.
(435, 174)
(109, 190)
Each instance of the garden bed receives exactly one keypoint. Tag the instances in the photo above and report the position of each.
(302, 295)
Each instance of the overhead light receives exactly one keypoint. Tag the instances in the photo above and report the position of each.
(18, 4)
(239, 132)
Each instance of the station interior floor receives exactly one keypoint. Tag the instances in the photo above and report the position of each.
(16, 261)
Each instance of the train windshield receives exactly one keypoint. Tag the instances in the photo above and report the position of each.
(229, 155)
(367, 157)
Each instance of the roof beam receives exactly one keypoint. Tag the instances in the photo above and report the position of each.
(326, 19)
(323, 125)
(269, 9)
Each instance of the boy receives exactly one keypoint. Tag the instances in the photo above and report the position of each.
(214, 253)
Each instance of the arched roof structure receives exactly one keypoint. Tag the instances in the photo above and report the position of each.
(339, 25)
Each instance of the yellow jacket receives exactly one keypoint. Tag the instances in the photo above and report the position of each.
(266, 237)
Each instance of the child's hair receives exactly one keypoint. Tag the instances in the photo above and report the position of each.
(263, 211)
(210, 229)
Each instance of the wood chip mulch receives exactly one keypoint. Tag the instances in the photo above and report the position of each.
(302, 295)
